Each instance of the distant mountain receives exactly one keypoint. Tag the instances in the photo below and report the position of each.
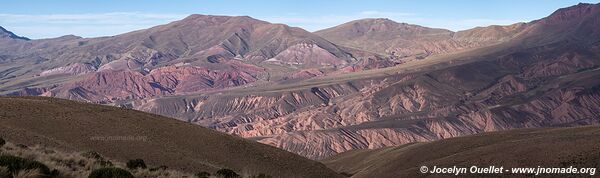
(122, 135)
(202, 39)
(387, 37)
(403, 40)
(224, 51)
(558, 147)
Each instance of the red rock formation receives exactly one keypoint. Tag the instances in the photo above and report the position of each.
(113, 85)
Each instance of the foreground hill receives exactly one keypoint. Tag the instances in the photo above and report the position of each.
(555, 147)
(122, 134)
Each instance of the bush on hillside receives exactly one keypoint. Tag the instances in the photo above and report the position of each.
(15, 164)
(92, 155)
(227, 173)
(99, 159)
(111, 172)
(261, 175)
(136, 163)
(22, 146)
(2, 142)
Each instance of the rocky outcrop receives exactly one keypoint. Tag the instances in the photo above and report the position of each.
(73, 69)
(304, 74)
(307, 54)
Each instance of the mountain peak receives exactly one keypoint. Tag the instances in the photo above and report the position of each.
(581, 10)
(377, 21)
(8, 34)
(219, 19)
(379, 28)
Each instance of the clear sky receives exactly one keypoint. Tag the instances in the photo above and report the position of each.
(92, 18)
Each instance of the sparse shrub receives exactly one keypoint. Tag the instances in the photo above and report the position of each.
(17, 164)
(227, 173)
(202, 174)
(99, 159)
(163, 167)
(261, 175)
(54, 173)
(22, 146)
(111, 172)
(136, 163)
(2, 142)
(92, 155)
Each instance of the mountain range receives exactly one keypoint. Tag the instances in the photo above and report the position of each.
(364, 84)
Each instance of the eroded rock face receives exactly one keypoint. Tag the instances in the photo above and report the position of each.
(307, 54)
(110, 85)
(482, 96)
(73, 69)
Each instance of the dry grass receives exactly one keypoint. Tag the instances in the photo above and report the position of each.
(71, 164)
(4, 172)
(81, 164)
(31, 173)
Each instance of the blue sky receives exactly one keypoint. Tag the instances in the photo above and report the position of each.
(45, 19)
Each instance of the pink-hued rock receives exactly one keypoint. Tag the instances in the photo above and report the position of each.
(113, 85)
(306, 73)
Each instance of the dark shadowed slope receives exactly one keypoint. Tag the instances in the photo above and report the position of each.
(158, 140)
(556, 147)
